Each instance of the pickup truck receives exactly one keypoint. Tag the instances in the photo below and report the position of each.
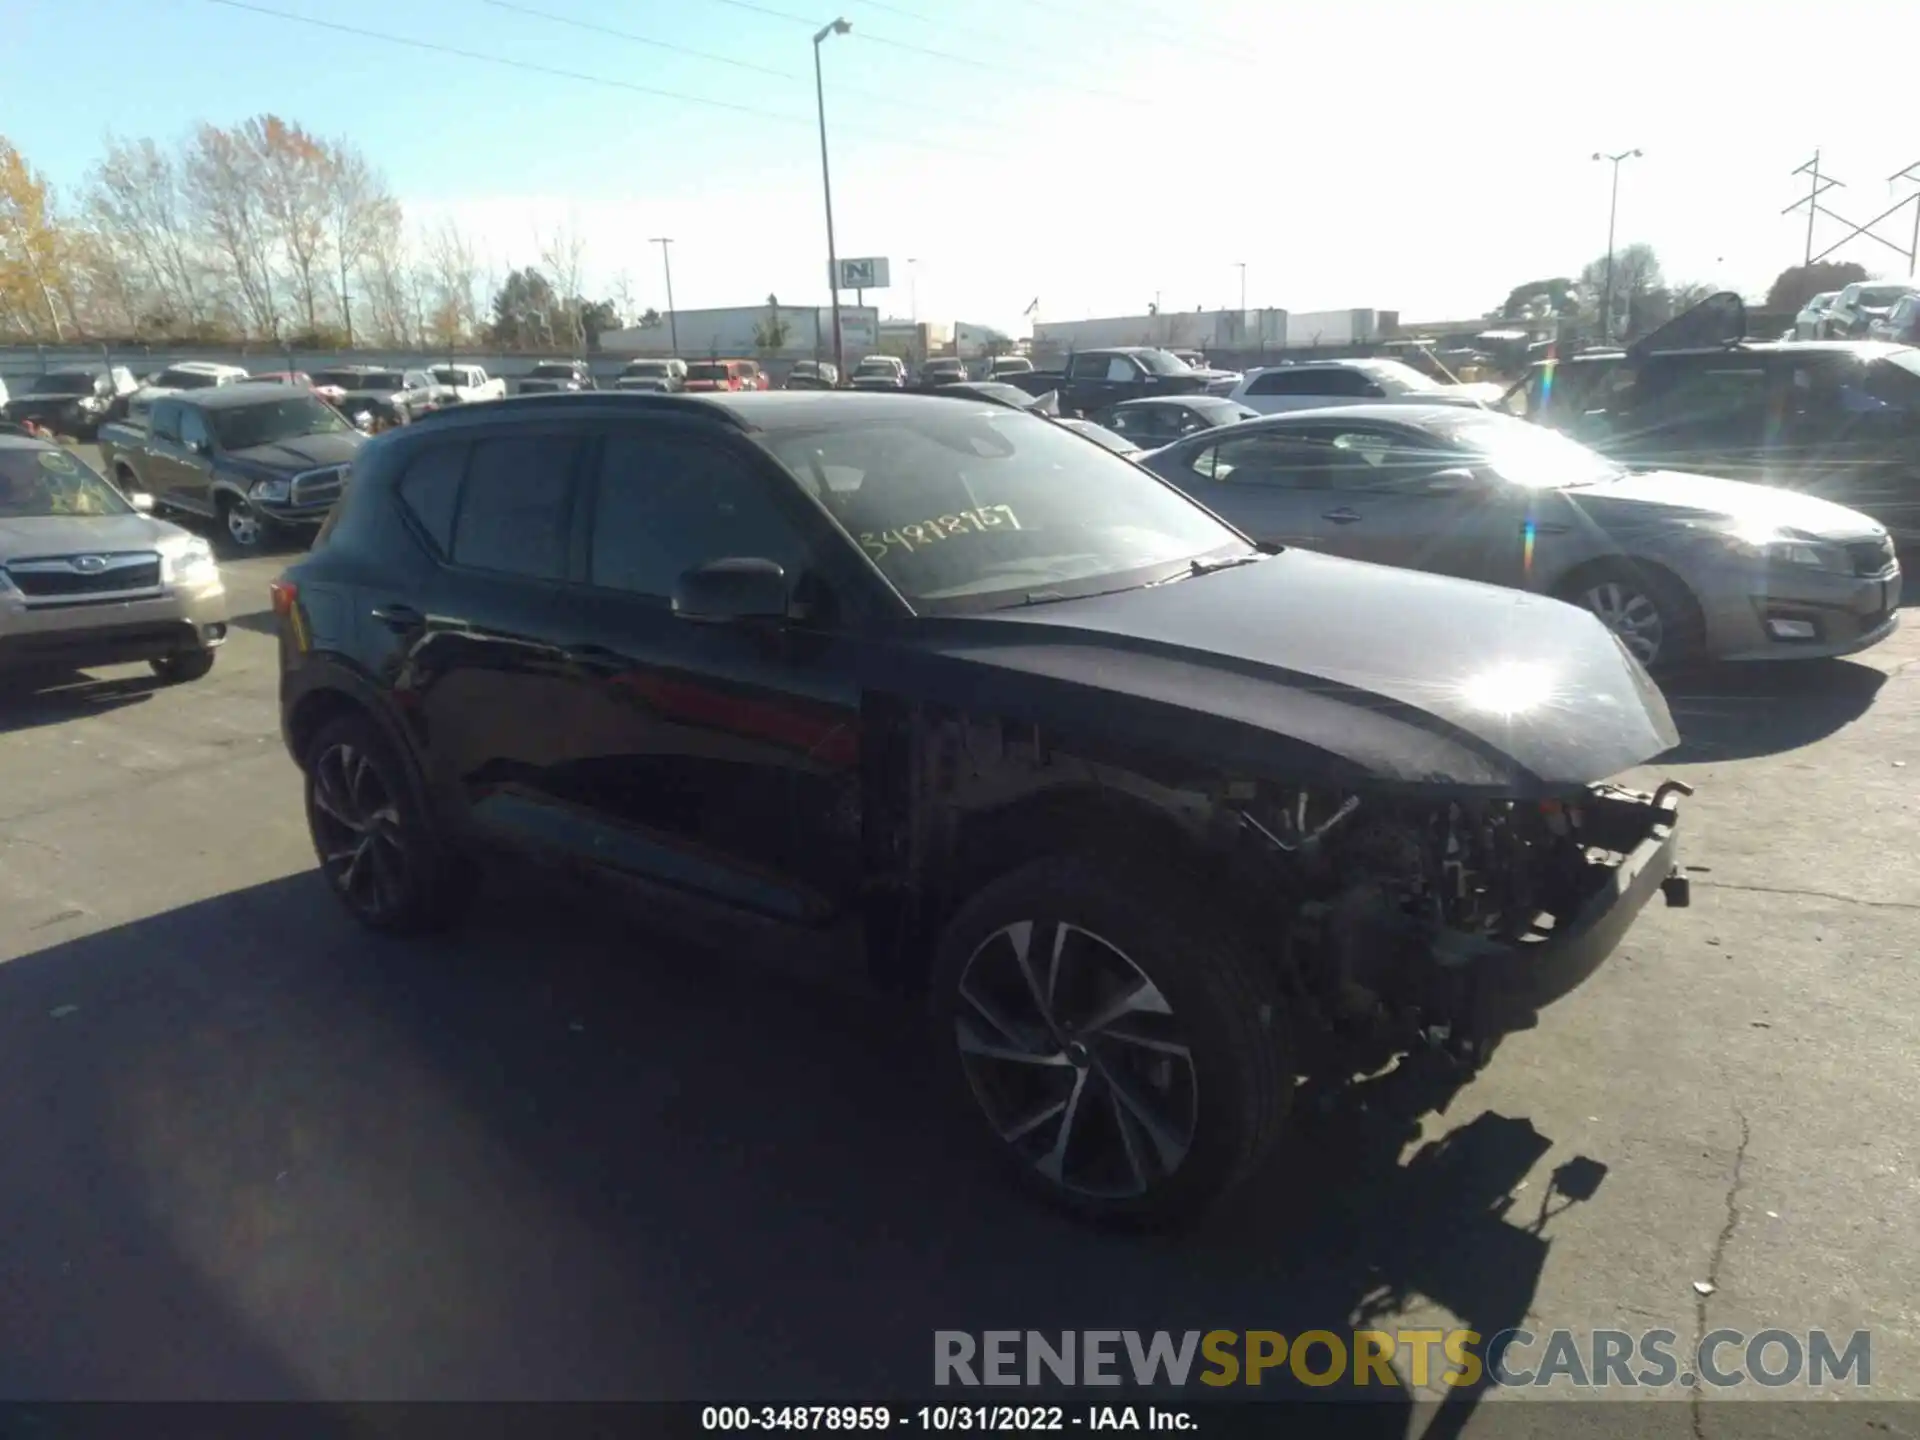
(1095, 379)
(468, 383)
(373, 396)
(262, 461)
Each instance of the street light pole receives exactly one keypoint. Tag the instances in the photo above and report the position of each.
(838, 27)
(673, 324)
(1243, 286)
(1613, 211)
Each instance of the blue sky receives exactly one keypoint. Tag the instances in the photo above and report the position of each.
(1093, 154)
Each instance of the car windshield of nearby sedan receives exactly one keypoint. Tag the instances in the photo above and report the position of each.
(874, 367)
(65, 382)
(645, 370)
(709, 372)
(1527, 454)
(272, 422)
(41, 484)
(185, 380)
(1163, 362)
(552, 372)
(975, 508)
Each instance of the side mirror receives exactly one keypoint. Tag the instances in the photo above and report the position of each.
(1459, 480)
(201, 447)
(732, 591)
(141, 501)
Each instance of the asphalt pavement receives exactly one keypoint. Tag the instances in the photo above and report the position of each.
(251, 1152)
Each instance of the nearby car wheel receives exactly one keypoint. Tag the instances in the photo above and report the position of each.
(377, 849)
(1117, 1037)
(187, 665)
(247, 531)
(1654, 615)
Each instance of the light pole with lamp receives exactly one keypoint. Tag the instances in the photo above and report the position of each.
(673, 324)
(838, 27)
(1613, 211)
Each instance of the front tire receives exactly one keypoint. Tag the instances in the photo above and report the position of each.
(378, 849)
(1655, 616)
(181, 668)
(1116, 1040)
(243, 528)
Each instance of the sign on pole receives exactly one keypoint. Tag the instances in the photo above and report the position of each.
(867, 274)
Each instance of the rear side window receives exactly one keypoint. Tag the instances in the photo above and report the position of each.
(514, 508)
(430, 491)
(166, 421)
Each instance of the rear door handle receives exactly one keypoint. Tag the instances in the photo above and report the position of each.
(1341, 517)
(399, 618)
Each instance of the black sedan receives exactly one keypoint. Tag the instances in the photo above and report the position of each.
(1163, 419)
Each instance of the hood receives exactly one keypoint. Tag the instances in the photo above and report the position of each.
(1481, 392)
(1306, 663)
(82, 534)
(289, 457)
(1708, 497)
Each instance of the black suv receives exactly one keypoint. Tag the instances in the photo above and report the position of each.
(1154, 820)
(1836, 418)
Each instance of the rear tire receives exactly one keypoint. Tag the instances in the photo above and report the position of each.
(1116, 1041)
(379, 850)
(183, 667)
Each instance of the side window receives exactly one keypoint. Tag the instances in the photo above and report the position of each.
(666, 504)
(1893, 385)
(1720, 401)
(1348, 384)
(430, 491)
(1364, 459)
(1119, 367)
(1286, 382)
(1285, 461)
(193, 428)
(514, 510)
(415, 380)
(166, 421)
(1087, 367)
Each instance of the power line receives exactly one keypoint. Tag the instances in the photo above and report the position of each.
(971, 61)
(360, 34)
(1176, 37)
(641, 39)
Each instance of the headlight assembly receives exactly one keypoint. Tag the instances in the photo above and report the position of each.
(268, 490)
(1769, 544)
(191, 565)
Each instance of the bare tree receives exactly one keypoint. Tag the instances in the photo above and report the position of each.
(224, 187)
(362, 220)
(454, 273)
(384, 282)
(623, 298)
(292, 167)
(563, 256)
(134, 203)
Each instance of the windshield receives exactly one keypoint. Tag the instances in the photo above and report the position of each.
(1099, 434)
(1528, 454)
(244, 426)
(382, 380)
(1881, 294)
(981, 509)
(338, 379)
(875, 367)
(945, 367)
(1397, 377)
(65, 382)
(38, 484)
(1015, 365)
(645, 368)
(552, 372)
(1163, 362)
(708, 372)
(186, 380)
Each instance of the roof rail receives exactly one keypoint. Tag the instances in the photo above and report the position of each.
(633, 400)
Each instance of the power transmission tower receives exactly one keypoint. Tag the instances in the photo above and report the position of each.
(1819, 185)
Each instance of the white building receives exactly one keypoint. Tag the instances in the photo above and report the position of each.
(1209, 330)
(804, 332)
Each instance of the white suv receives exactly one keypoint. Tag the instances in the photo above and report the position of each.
(1311, 384)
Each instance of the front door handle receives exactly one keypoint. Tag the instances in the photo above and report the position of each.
(1341, 517)
(399, 618)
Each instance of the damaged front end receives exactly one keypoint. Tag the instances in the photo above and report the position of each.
(1410, 921)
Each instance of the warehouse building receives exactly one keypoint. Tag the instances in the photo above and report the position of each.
(1217, 330)
(784, 332)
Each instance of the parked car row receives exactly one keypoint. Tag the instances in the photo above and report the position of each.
(1864, 310)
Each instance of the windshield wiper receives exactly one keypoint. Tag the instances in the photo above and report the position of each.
(1208, 567)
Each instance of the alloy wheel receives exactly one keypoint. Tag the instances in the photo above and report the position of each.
(1076, 1059)
(358, 833)
(1632, 615)
(243, 524)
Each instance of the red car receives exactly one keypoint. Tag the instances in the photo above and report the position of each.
(726, 375)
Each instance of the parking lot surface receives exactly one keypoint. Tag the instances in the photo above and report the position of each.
(253, 1152)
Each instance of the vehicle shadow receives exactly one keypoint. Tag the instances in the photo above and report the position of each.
(551, 1157)
(1738, 712)
(55, 698)
(260, 622)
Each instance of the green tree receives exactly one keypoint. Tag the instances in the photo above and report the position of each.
(771, 334)
(525, 310)
(1540, 300)
(1794, 286)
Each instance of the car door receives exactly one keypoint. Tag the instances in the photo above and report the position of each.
(193, 484)
(1088, 387)
(1266, 484)
(1394, 496)
(485, 676)
(1707, 412)
(1849, 432)
(721, 760)
(168, 476)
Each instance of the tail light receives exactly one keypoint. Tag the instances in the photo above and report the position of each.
(283, 593)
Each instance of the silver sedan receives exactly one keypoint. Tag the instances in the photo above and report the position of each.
(1682, 567)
